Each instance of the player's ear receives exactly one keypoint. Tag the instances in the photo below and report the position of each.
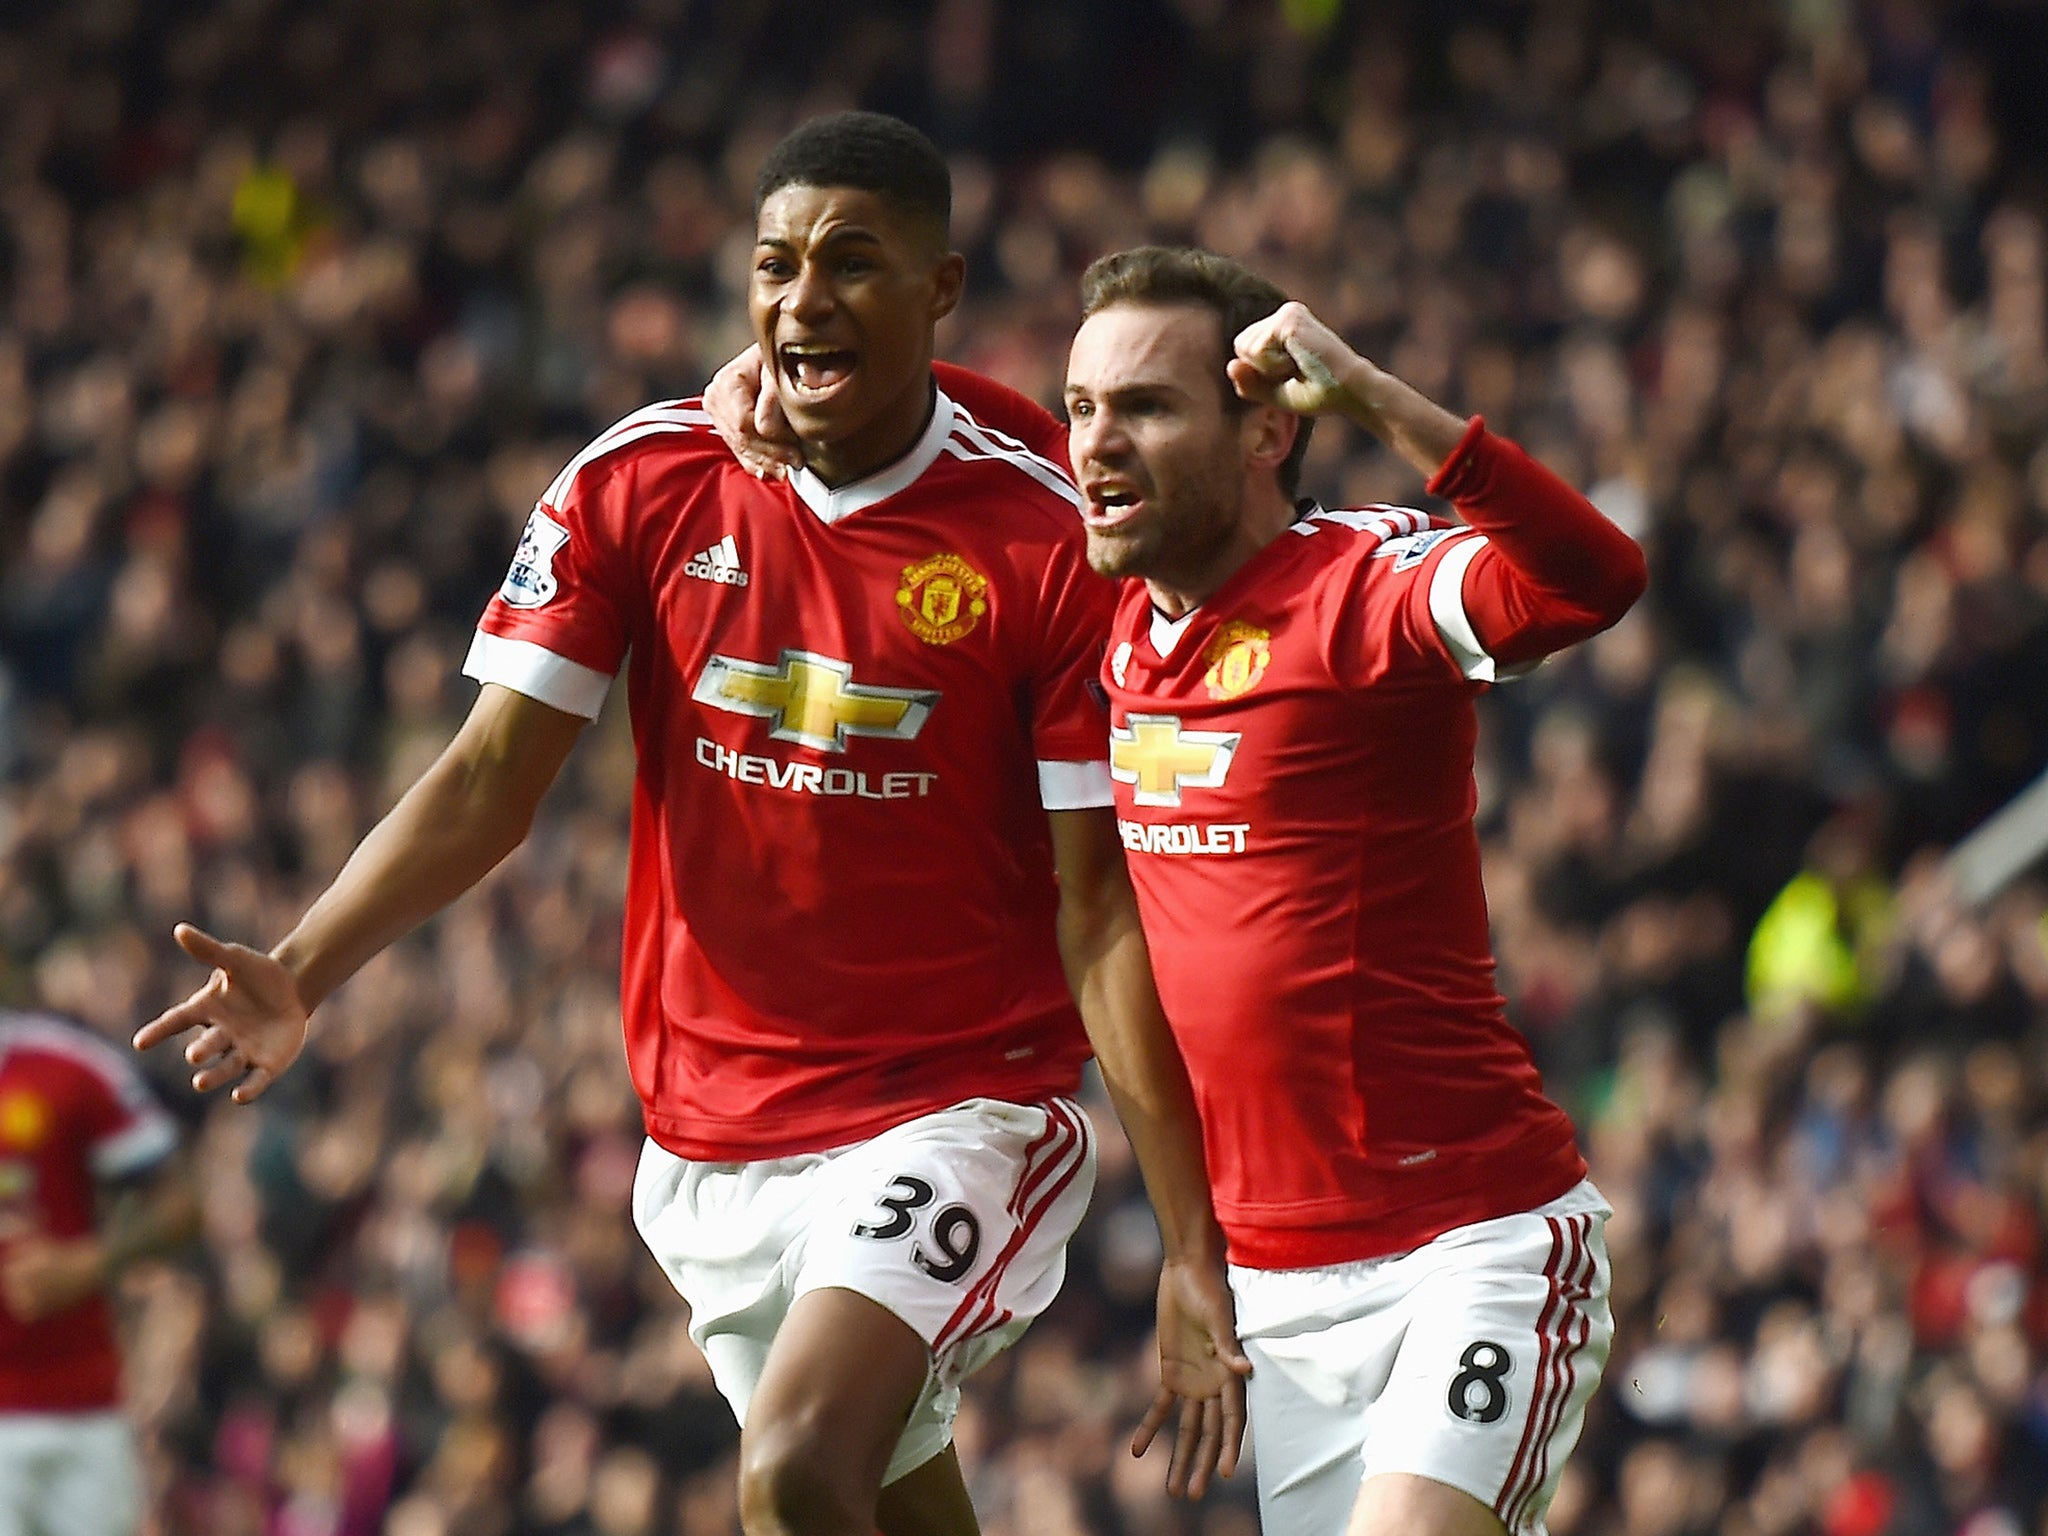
(1268, 435)
(949, 279)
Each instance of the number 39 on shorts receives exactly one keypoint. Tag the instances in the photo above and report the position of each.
(953, 1233)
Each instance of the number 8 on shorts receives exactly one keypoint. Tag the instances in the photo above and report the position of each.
(1469, 1361)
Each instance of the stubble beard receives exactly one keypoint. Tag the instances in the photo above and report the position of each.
(1177, 549)
(1120, 555)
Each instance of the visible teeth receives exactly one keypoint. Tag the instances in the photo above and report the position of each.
(812, 367)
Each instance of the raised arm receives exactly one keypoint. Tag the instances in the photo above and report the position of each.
(1201, 1363)
(1554, 570)
(470, 809)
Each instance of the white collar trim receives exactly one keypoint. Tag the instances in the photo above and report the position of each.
(832, 503)
(1166, 632)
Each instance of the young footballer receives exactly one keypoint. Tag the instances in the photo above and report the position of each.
(874, 869)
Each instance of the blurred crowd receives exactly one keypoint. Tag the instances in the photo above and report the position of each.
(306, 300)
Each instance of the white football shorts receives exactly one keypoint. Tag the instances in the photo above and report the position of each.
(68, 1474)
(957, 1222)
(1469, 1360)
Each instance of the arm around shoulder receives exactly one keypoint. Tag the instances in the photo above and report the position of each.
(999, 406)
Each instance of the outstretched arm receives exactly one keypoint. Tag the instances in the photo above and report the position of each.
(1202, 1366)
(1554, 572)
(470, 809)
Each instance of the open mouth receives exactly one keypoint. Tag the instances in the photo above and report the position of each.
(1110, 506)
(814, 370)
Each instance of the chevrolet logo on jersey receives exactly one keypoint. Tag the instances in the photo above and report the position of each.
(1153, 753)
(813, 699)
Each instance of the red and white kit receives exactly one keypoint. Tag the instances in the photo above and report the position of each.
(1293, 762)
(1418, 1261)
(849, 707)
(956, 1221)
(74, 1115)
(1294, 781)
(852, 709)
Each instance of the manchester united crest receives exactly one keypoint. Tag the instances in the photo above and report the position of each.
(24, 1121)
(942, 598)
(1237, 659)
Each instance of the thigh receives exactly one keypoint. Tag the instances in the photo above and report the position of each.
(1402, 1504)
(1506, 1331)
(730, 1237)
(930, 1500)
(956, 1222)
(94, 1487)
(1323, 1344)
(956, 1225)
(1304, 1446)
(837, 1390)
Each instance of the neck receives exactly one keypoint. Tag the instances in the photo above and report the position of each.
(1267, 514)
(880, 442)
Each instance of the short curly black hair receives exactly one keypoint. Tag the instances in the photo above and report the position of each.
(866, 150)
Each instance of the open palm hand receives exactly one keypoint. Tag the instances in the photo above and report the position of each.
(251, 1023)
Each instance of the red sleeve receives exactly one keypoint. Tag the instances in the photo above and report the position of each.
(1069, 715)
(999, 406)
(556, 594)
(1554, 571)
(117, 1118)
(556, 630)
(1378, 610)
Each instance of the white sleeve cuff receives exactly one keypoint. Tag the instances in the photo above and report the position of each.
(538, 673)
(147, 1142)
(1074, 786)
(1454, 624)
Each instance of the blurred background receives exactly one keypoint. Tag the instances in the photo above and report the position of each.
(302, 303)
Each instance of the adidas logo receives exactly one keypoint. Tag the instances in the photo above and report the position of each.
(719, 563)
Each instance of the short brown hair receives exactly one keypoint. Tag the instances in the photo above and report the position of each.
(1233, 292)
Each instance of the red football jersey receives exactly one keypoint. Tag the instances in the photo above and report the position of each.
(73, 1114)
(1293, 766)
(1294, 790)
(852, 708)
